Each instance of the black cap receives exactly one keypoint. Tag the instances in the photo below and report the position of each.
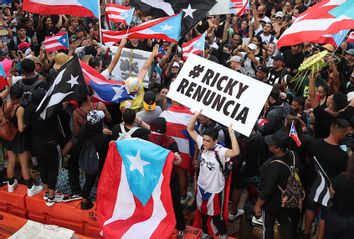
(278, 57)
(279, 138)
(149, 97)
(79, 29)
(263, 69)
(158, 125)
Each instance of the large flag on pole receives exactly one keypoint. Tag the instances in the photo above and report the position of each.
(165, 28)
(320, 188)
(194, 46)
(334, 39)
(64, 87)
(326, 17)
(83, 8)
(133, 195)
(119, 14)
(193, 10)
(104, 90)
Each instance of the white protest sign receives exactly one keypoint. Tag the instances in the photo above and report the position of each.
(221, 7)
(129, 64)
(225, 95)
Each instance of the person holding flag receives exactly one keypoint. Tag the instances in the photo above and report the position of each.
(211, 180)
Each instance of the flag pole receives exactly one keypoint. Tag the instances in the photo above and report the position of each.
(99, 22)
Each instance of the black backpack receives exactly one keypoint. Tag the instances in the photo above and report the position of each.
(89, 158)
(27, 92)
(293, 194)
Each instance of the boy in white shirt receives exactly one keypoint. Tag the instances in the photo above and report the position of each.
(211, 179)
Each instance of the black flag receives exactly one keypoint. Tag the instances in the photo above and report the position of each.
(320, 188)
(193, 10)
(64, 87)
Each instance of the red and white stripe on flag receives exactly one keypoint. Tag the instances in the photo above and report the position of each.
(121, 214)
(189, 47)
(52, 43)
(238, 7)
(314, 23)
(114, 11)
(350, 37)
(177, 118)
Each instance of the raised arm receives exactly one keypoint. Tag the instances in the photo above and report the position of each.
(235, 148)
(191, 125)
(116, 56)
(148, 62)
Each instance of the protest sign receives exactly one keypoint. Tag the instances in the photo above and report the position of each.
(225, 95)
(129, 64)
(221, 7)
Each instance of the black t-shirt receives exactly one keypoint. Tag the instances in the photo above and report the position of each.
(331, 157)
(141, 133)
(344, 197)
(31, 81)
(13, 46)
(293, 61)
(274, 77)
(323, 121)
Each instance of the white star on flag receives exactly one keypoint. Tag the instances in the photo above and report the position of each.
(137, 163)
(189, 11)
(73, 81)
(166, 27)
(118, 92)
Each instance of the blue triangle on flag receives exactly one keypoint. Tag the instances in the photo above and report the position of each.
(143, 162)
(64, 40)
(170, 27)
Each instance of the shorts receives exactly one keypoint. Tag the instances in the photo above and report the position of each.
(237, 179)
(18, 145)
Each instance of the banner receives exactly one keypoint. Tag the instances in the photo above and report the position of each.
(129, 64)
(225, 95)
(220, 8)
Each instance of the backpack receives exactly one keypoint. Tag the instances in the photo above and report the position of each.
(89, 158)
(293, 194)
(228, 165)
(124, 134)
(8, 130)
(27, 92)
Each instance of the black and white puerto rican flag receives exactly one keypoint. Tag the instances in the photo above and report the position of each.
(64, 87)
(320, 188)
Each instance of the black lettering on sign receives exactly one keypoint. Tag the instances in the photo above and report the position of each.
(241, 89)
(198, 94)
(184, 83)
(230, 86)
(218, 85)
(235, 110)
(208, 98)
(216, 77)
(226, 107)
(218, 102)
(242, 116)
(190, 89)
(208, 75)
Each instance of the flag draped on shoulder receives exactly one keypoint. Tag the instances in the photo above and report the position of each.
(104, 90)
(326, 17)
(68, 79)
(194, 46)
(119, 14)
(320, 188)
(193, 10)
(57, 42)
(133, 195)
(83, 8)
(165, 28)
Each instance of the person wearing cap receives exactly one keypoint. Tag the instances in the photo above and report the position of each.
(274, 174)
(277, 72)
(208, 53)
(150, 109)
(18, 39)
(259, 18)
(266, 34)
(134, 85)
(250, 61)
(279, 23)
(262, 73)
(235, 63)
(39, 64)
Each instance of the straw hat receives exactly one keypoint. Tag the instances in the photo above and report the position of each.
(328, 47)
(60, 59)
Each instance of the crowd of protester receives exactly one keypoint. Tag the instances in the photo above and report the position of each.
(321, 108)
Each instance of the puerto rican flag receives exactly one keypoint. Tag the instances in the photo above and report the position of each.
(83, 8)
(334, 39)
(326, 17)
(165, 28)
(177, 119)
(57, 42)
(350, 37)
(119, 14)
(239, 7)
(133, 195)
(194, 46)
(293, 134)
(105, 90)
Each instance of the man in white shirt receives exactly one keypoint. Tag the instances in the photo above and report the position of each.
(211, 179)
